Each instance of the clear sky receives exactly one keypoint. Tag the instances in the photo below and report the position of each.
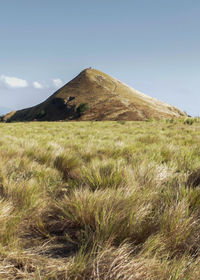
(152, 45)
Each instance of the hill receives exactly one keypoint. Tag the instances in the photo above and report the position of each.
(78, 202)
(94, 95)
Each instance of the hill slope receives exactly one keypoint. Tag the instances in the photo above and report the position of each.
(94, 95)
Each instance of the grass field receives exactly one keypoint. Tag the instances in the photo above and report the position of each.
(100, 200)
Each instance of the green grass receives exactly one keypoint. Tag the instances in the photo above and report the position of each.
(100, 200)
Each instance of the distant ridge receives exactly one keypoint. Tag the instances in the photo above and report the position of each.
(94, 95)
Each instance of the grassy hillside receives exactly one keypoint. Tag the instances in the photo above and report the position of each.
(94, 95)
(100, 200)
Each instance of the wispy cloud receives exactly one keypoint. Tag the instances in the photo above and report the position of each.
(57, 83)
(13, 82)
(38, 85)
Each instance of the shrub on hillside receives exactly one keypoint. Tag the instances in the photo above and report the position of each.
(41, 114)
(191, 121)
(81, 109)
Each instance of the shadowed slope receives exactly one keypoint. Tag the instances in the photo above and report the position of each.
(94, 95)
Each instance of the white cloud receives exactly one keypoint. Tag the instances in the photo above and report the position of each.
(38, 85)
(13, 82)
(57, 83)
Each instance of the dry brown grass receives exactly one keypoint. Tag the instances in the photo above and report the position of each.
(100, 200)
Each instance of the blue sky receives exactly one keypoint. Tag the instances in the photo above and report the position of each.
(154, 46)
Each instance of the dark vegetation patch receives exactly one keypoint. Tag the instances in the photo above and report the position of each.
(194, 179)
(81, 109)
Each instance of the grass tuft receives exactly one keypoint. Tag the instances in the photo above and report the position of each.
(100, 200)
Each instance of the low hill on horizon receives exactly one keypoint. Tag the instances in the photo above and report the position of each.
(94, 95)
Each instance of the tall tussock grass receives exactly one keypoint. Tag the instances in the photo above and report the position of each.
(100, 201)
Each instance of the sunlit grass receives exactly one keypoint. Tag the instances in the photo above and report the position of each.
(100, 200)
